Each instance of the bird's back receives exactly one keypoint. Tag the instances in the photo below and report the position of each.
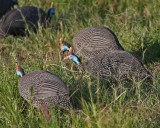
(42, 86)
(116, 64)
(91, 41)
(15, 21)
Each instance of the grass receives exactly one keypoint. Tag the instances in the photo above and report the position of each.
(136, 24)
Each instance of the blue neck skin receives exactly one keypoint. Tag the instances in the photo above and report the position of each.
(74, 58)
(51, 12)
(19, 73)
(65, 48)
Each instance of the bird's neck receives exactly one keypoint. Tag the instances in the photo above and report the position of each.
(64, 47)
(49, 15)
(75, 59)
(19, 74)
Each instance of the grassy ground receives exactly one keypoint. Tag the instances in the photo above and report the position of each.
(136, 24)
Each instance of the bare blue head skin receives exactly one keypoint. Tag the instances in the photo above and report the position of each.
(19, 71)
(73, 58)
(65, 48)
(51, 12)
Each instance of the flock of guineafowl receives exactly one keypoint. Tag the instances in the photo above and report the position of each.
(99, 47)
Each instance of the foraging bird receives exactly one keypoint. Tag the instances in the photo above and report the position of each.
(116, 65)
(17, 21)
(43, 89)
(91, 41)
(73, 57)
(64, 47)
(6, 5)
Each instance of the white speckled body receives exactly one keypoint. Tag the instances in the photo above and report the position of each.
(43, 86)
(116, 65)
(91, 41)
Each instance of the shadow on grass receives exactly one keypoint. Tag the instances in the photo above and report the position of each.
(150, 52)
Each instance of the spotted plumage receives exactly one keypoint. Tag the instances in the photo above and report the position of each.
(117, 65)
(18, 21)
(91, 41)
(43, 87)
(6, 5)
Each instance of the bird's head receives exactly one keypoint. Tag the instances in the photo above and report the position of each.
(19, 71)
(14, 2)
(51, 11)
(73, 57)
(64, 47)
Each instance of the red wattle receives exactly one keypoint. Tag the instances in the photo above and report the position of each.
(67, 57)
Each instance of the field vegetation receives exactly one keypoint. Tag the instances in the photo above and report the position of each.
(137, 26)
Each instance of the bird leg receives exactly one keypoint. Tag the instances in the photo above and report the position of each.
(46, 111)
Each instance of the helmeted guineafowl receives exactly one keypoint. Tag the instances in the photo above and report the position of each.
(6, 5)
(116, 64)
(73, 57)
(91, 41)
(64, 47)
(18, 20)
(43, 89)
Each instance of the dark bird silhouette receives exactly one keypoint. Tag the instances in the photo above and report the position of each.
(43, 89)
(17, 21)
(6, 5)
(91, 41)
